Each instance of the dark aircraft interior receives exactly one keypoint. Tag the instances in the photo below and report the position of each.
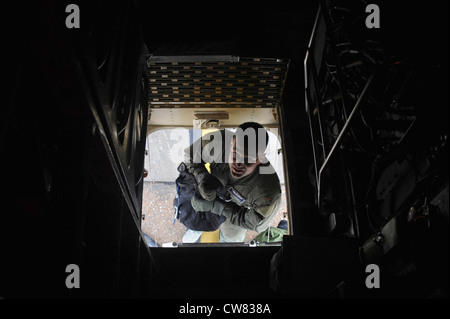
(362, 114)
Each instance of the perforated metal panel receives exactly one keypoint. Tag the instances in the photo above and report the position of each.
(234, 82)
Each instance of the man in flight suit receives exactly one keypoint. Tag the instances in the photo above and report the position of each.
(241, 171)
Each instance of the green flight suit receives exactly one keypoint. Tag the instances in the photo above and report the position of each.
(255, 199)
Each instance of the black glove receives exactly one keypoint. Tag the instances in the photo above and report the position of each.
(208, 185)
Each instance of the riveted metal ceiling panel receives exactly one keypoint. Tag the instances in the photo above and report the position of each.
(215, 82)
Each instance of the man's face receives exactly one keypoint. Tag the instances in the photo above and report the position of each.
(239, 161)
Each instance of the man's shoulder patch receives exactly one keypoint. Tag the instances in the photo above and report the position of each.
(236, 195)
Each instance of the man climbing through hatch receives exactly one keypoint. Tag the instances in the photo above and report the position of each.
(242, 185)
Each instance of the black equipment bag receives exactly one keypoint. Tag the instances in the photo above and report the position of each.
(186, 188)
